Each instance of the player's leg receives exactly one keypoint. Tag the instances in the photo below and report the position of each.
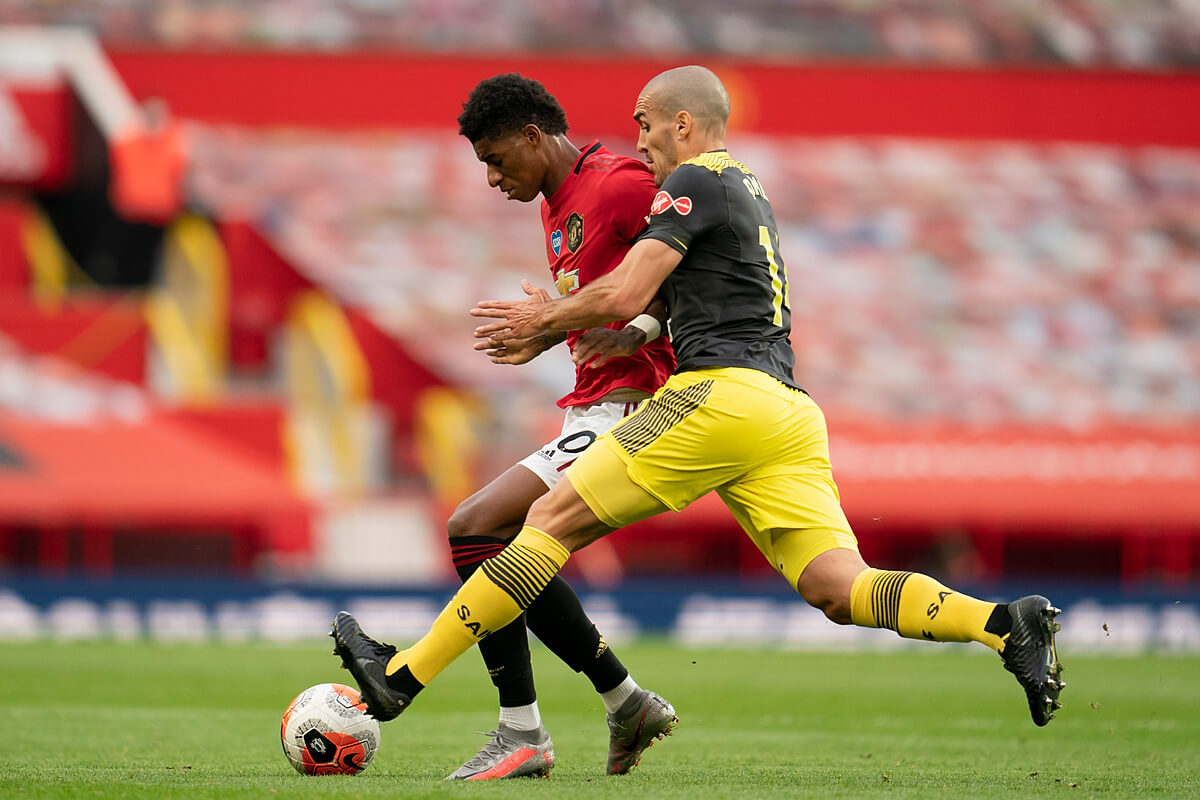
(636, 717)
(917, 606)
(559, 523)
(498, 592)
(818, 554)
(557, 617)
(479, 528)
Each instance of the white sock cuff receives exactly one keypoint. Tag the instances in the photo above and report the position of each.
(521, 718)
(615, 698)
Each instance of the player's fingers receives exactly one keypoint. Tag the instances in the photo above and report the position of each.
(535, 291)
(494, 313)
(582, 352)
(507, 357)
(490, 342)
(496, 329)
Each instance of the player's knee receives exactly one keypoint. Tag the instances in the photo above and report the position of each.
(830, 600)
(467, 520)
(828, 582)
(837, 610)
(563, 515)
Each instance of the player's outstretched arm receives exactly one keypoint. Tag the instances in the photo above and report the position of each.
(620, 294)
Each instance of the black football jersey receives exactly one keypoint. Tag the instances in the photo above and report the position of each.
(727, 298)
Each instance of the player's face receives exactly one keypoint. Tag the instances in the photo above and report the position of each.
(656, 139)
(515, 164)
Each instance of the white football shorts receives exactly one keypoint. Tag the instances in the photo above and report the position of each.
(581, 426)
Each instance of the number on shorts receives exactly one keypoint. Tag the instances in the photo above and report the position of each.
(577, 442)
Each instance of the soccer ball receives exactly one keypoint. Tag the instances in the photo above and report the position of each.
(326, 731)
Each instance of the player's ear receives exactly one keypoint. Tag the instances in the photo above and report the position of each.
(532, 134)
(683, 124)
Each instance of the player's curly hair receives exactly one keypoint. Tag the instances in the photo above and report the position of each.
(505, 104)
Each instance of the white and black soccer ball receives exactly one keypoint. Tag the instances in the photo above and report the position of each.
(326, 731)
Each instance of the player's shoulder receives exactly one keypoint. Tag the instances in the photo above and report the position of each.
(616, 176)
(694, 176)
(602, 164)
(716, 162)
(601, 159)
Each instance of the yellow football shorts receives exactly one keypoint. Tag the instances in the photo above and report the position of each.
(761, 445)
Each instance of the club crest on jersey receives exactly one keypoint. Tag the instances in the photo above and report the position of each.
(574, 231)
(663, 201)
(556, 242)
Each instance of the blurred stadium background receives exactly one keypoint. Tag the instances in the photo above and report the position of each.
(238, 242)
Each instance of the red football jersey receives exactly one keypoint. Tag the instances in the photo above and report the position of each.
(591, 221)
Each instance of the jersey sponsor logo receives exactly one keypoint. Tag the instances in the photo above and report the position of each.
(574, 231)
(664, 201)
(556, 242)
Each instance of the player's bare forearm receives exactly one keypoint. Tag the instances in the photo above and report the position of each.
(658, 309)
(519, 351)
(620, 294)
(544, 341)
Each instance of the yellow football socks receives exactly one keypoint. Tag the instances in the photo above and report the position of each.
(918, 607)
(494, 596)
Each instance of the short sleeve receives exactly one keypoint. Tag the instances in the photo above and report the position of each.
(628, 194)
(690, 204)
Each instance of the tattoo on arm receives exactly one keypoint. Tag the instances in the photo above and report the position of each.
(547, 340)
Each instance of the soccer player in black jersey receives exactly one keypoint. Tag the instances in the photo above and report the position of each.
(730, 420)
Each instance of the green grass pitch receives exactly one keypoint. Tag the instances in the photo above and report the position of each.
(202, 721)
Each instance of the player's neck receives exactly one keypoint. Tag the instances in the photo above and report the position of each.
(692, 147)
(561, 156)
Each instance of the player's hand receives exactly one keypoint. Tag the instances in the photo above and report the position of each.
(513, 351)
(535, 292)
(598, 345)
(515, 319)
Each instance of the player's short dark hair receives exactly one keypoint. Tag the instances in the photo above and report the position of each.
(504, 104)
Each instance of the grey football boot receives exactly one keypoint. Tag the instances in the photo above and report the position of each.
(638, 723)
(1029, 653)
(510, 753)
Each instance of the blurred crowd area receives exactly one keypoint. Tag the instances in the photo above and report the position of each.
(51, 389)
(1127, 33)
(985, 282)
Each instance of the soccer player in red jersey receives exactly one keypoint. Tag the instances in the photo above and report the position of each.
(594, 205)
